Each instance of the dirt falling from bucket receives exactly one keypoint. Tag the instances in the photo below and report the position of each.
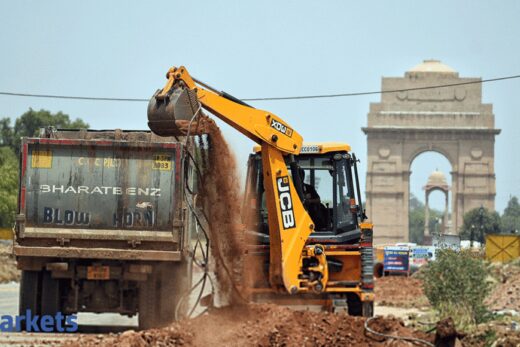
(221, 201)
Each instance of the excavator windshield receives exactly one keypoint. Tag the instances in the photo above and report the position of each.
(328, 194)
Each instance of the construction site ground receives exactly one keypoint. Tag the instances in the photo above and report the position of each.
(399, 301)
(264, 325)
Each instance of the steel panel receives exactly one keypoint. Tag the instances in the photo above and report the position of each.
(100, 184)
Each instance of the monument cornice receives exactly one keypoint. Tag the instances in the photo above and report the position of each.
(430, 130)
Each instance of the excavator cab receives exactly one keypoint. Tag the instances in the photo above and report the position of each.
(331, 195)
(330, 192)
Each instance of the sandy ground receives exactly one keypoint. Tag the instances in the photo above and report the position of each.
(8, 270)
(399, 312)
(400, 291)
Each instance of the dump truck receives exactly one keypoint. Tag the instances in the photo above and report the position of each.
(102, 224)
(310, 248)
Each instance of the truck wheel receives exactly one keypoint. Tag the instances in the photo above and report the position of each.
(175, 282)
(368, 309)
(379, 270)
(51, 303)
(149, 306)
(29, 299)
(168, 295)
(355, 306)
(160, 294)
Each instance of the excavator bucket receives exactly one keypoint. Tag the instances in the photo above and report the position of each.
(167, 111)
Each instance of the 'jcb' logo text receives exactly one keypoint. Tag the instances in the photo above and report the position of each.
(286, 205)
(284, 129)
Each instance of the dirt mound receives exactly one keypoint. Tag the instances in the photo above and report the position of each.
(262, 325)
(506, 293)
(494, 333)
(8, 270)
(400, 291)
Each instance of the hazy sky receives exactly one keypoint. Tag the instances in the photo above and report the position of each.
(257, 49)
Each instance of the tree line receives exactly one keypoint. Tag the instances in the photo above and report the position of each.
(477, 222)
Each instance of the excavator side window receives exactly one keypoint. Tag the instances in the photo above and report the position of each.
(318, 186)
(345, 219)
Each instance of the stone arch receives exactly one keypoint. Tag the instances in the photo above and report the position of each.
(437, 149)
(448, 193)
(436, 182)
(451, 121)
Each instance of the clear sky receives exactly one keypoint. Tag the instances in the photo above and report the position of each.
(262, 48)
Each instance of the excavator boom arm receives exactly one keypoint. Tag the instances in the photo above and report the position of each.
(289, 223)
(260, 126)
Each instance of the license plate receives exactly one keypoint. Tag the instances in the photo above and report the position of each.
(98, 272)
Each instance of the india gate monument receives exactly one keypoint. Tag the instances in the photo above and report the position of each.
(451, 121)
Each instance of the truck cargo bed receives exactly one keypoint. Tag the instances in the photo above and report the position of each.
(100, 194)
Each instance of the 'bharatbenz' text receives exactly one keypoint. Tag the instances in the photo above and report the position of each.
(46, 188)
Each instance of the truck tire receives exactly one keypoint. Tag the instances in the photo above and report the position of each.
(379, 270)
(167, 294)
(355, 307)
(148, 310)
(175, 283)
(159, 296)
(30, 286)
(51, 299)
(367, 309)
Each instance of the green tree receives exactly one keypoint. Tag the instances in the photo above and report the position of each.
(455, 284)
(481, 221)
(510, 220)
(6, 132)
(29, 123)
(8, 186)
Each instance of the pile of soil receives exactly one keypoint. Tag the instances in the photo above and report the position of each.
(506, 293)
(495, 333)
(262, 325)
(400, 291)
(8, 270)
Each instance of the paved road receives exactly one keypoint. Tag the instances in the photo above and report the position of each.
(9, 306)
(89, 322)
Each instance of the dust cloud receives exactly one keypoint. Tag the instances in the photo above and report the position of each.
(220, 200)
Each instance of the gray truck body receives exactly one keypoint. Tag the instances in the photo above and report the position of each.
(100, 207)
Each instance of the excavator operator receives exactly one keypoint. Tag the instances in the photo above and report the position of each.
(312, 203)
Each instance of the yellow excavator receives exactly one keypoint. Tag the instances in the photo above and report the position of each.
(306, 225)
